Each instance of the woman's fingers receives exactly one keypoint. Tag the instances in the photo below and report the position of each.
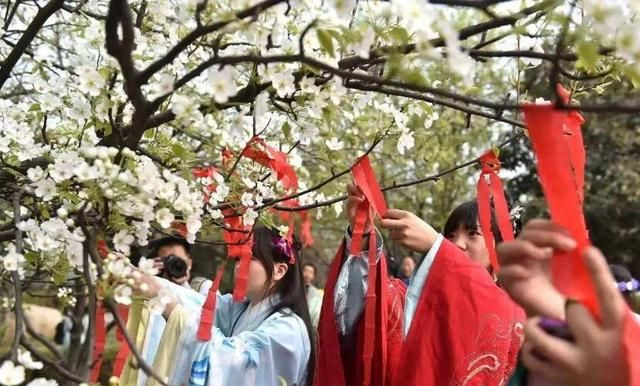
(518, 251)
(612, 305)
(353, 190)
(548, 348)
(549, 238)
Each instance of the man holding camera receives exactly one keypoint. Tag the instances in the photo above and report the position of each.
(172, 259)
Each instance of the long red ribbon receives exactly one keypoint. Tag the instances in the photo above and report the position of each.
(207, 317)
(98, 344)
(123, 352)
(373, 203)
(490, 165)
(570, 274)
(572, 131)
(560, 174)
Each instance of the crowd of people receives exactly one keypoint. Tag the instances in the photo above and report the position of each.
(447, 319)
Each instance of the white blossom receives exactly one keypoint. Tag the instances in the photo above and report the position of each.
(11, 374)
(249, 217)
(334, 144)
(46, 189)
(12, 261)
(146, 266)
(405, 142)
(222, 83)
(122, 241)
(164, 217)
(247, 199)
(25, 359)
(43, 382)
(122, 294)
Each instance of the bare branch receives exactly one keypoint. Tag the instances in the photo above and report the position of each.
(27, 37)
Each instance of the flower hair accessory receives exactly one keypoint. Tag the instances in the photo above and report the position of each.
(628, 286)
(283, 246)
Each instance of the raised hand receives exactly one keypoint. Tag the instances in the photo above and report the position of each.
(409, 231)
(525, 271)
(596, 357)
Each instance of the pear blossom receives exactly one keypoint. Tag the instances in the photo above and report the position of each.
(334, 144)
(249, 217)
(147, 266)
(12, 261)
(91, 81)
(25, 359)
(222, 83)
(284, 83)
(42, 382)
(164, 217)
(46, 189)
(11, 374)
(247, 199)
(122, 241)
(405, 142)
(122, 294)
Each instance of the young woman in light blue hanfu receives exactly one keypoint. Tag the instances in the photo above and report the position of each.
(266, 340)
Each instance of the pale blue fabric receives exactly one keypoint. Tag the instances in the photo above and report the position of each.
(416, 284)
(248, 347)
(351, 285)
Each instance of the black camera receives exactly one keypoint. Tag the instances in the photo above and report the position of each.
(174, 267)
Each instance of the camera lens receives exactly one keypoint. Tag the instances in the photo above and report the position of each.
(175, 267)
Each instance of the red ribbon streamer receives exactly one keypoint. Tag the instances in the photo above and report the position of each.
(572, 130)
(207, 316)
(123, 352)
(373, 203)
(560, 180)
(570, 274)
(98, 344)
(490, 166)
(274, 160)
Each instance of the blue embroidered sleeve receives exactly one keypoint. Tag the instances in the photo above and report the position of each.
(278, 348)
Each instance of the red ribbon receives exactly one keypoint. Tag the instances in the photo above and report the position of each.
(98, 344)
(490, 166)
(572, 130)
(373, 203)
(274, 160)
(560, 179)
(570, 274)
(123, 351)
(207, 316)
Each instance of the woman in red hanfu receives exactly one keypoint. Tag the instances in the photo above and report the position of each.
(458, 327)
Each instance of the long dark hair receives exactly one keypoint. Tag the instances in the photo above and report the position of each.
(466, 214)
(290, 287)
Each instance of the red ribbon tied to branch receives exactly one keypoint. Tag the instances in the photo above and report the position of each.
(373, 204)
(559, 172)
(485, 192)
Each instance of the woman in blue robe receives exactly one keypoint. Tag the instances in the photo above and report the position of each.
(266, 340)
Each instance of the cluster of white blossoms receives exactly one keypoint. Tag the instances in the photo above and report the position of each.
(69, 96)
(13, 374)
(613, 24)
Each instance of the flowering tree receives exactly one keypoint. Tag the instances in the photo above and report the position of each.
(120, 118)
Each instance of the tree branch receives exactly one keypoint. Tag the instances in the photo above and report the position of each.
(173, 53)
(27, 37)
(377, 55)
(434, 177)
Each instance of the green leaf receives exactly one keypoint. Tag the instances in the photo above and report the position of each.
(178, 150)
(399, 34)
(35, 107)
(326, 41)
(588, 55)
(286, 130)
